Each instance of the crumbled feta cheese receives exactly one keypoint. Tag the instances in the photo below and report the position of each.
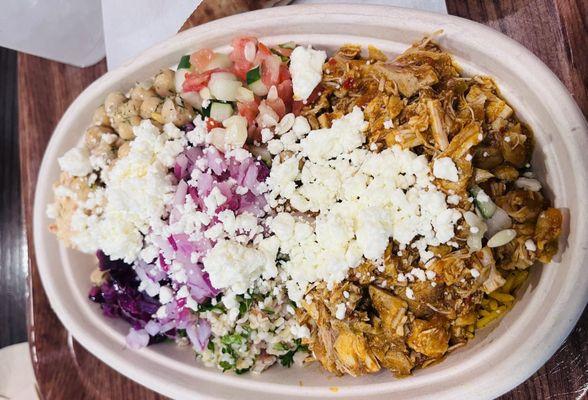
(363, 199)
(165, 295)
(444, 168)
(340, 311)
(419, 273)
(266, 135)
(430, 275)
(114, 218)
(474, 272)
(530, 245)
(76, 162)
(410, 293)
(453, 199)
(306, 69)
(388, 124)
(236, 266)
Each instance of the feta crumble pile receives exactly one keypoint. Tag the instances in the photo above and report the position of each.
(306, 68)
(137, 187)
(362, 199)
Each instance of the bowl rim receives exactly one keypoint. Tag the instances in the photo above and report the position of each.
(556, 96)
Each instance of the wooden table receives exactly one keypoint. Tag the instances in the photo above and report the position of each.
(555, 30)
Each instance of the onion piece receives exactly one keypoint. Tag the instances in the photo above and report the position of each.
(224, 89)
(500, 220)
(220, 61)
(501, 238)
(530, 184)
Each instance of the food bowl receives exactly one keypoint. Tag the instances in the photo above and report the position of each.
(499, 358)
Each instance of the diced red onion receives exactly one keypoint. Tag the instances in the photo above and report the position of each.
(137, 339)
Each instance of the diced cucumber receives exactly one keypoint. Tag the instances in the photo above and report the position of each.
(218, 110)
(258, 88)
(288, 45)
(483, 202)
(253, 75)
(184, 63)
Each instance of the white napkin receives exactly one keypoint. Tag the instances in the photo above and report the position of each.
(69, 31)
(17, 379)
(131, 26)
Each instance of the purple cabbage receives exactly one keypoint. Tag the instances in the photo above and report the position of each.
(119, 296)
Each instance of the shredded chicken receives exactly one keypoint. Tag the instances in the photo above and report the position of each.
(421, 102)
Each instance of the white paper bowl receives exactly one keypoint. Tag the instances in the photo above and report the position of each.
(497, 360)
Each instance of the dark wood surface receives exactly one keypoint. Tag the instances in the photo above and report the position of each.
(13, 268)
(66, 371)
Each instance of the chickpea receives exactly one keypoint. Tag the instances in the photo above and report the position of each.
(130, 108)
(100, 117)
(113, 100)
(125, 130)
(123, 150)
(179, 115)
(140, 93)
(93, 135)
(149, 106)
(102, 151)
(164, 83)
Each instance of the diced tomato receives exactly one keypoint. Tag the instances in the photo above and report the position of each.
(297, 105)
(262, 51)
(277, 105)
(285, 93)
(315, 94)
(241, 64)
(248, 110)
(284, 73)
(196, 81)
(282, 51)
(348, 84)
(270, 70)
(200, 59)
(213, 123)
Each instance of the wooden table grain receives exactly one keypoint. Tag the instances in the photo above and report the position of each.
(555, 30)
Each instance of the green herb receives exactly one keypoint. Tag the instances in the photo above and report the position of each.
(280, 347)
(288, 359)
(244, 304)
(253, 75)
(232, 339)
(225, 365)
(242, 370)
(182, 333)
(208, 306)
(184, 62)
(210, 345)
(268, 311)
